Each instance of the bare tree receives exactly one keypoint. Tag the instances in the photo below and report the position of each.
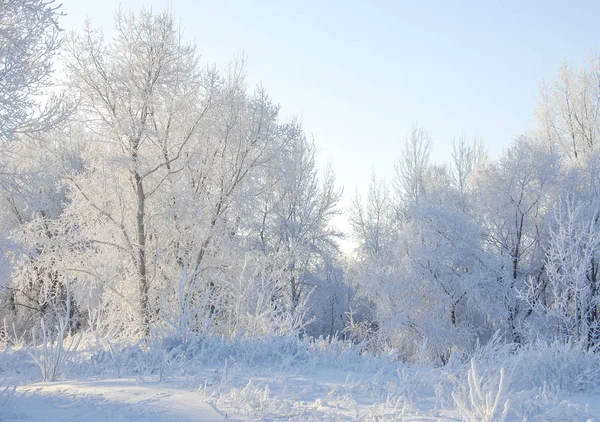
(467, 159)
(569, 111)
(411, 168)
(372, 222)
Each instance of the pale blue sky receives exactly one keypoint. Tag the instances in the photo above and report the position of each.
(359, 73)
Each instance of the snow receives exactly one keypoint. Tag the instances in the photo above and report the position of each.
(315, 397)
(111, 399)
(232, 388)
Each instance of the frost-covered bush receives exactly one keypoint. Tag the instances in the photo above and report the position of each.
(567, 367)
(330, 303)
(564, 366)
(174, 356)
(545, 403)
(483, 398)
(53, 353)
(253, 401)
(532, 378)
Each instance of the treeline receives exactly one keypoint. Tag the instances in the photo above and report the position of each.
(170, 199)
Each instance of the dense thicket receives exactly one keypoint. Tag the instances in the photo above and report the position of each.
(175, 201)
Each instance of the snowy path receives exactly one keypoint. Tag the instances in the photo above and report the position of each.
(109, 400)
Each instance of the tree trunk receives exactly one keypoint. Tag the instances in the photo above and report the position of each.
(141, 254)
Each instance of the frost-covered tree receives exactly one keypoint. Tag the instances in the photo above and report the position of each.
(213, 210)
(142, 98)
(513, 200)
(569, 111)
(372, 220)
(412, 165)
(176, 160)
(293, 222)
(467, 161)
(567, 305)
(30, 172)
(421, 269)
(573, 297)
(29, 41)
(32, 199)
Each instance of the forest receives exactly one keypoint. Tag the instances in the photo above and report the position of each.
(158, 214)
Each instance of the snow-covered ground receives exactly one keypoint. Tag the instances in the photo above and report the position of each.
(270, 397)
(126, 399)
(314, 383)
